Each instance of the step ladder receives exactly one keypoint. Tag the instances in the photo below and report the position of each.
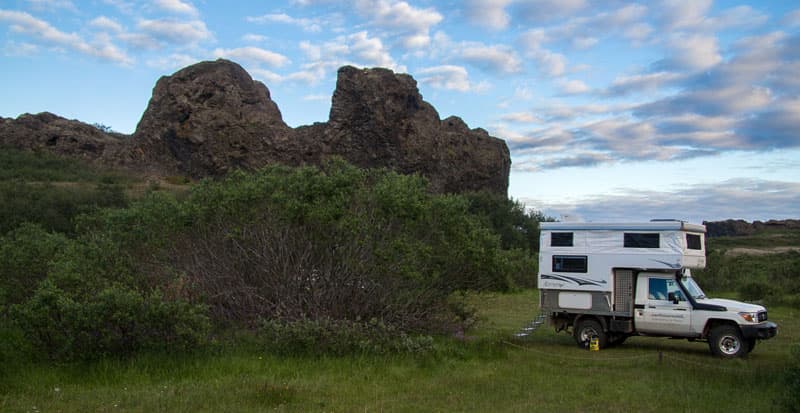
(531, 327)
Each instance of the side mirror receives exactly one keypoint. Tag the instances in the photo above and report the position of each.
(675, 298)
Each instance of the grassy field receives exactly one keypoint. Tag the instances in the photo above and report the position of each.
(486, 372)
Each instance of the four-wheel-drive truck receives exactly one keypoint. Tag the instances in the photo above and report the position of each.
(613, 281)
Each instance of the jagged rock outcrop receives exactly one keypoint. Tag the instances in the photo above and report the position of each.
(208, 118)
(46, 131)
(379, 119)
(211, 117)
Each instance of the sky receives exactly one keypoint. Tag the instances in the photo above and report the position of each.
(612, 110)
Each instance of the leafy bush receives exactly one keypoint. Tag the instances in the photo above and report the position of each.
(339, 337)
(54, 207)
(116, 321)
(755, 291)
(25, 258)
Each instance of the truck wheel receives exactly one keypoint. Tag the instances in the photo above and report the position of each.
(726, 341)
(588, 328)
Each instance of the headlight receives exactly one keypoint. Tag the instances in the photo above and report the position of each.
(750, 317)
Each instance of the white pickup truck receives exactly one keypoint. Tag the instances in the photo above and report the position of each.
(613, 281)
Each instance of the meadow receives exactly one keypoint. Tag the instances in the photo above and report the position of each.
(486, 371)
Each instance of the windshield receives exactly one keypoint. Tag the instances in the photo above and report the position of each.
(692, 288)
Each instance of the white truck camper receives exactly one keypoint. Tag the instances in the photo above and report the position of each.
(613, 281)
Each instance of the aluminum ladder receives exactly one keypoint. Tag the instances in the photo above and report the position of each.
(534, 325)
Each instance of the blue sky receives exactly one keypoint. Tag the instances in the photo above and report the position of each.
(613, 110)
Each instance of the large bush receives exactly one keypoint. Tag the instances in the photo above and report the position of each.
(295, 249)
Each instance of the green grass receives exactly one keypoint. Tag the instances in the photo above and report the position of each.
(763, 239)
(486, 372)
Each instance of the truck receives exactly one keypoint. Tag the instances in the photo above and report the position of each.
(610, 281)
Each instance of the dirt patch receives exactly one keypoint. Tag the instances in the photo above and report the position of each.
(760, 251)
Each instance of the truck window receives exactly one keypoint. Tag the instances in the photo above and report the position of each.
(694, 242)
(660, 288)
(560, 239)
(569, 263)
(638, 240)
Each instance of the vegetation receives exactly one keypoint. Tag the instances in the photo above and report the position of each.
(328, 289)
(293, 254)
(486, 372)
(763, 272)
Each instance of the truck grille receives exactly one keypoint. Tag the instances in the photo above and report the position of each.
(762, 316)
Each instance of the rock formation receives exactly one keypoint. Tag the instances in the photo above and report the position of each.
(211, 117)
(738, 227)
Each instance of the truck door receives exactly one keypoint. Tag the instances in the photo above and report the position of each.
(656, 314)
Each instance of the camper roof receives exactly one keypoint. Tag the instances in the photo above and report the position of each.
(664, 225)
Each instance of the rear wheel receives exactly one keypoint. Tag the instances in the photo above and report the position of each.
(588, 328)
(726, 341)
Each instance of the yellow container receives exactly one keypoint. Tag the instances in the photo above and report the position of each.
(594, 344)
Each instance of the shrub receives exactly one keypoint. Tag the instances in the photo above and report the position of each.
(116, 321)
(339, 337)
(756, 291)
(25, 258)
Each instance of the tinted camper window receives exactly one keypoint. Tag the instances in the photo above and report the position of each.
(569, 263)
(693, 242)
(560, 239)
(633, 240)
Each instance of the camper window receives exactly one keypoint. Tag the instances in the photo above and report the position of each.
(569, 263)
(560, 239)
(693, 242)
(638, 240)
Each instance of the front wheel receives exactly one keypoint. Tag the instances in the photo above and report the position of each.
(588, 328)
(726, 341)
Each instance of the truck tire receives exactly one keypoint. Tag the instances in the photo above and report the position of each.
(726, 341)
(588, 328)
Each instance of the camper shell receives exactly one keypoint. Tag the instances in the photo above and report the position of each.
(591, 266)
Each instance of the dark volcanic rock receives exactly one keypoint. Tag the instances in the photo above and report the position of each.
(211, 117)
(46, 131)
(379, 119)
(738, 227)
(208, 118)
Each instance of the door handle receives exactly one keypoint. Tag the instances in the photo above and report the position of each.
(651, 306)
(679, 309)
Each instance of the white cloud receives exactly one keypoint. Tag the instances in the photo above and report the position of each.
(488, 13)
(573, 87)
(692, 52)
(641, 83)
(309, 25)
(253, 38)
(741, 198)
(370, 50)
(410, 23)
(177, 7)
(682, 14)
(449, 77)
(176, 32)
(548, 62)
(254, 55)
(52, 5)
(494, 59)
(101, 47)
(538, 11)
(105, 23)
(521, 117)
